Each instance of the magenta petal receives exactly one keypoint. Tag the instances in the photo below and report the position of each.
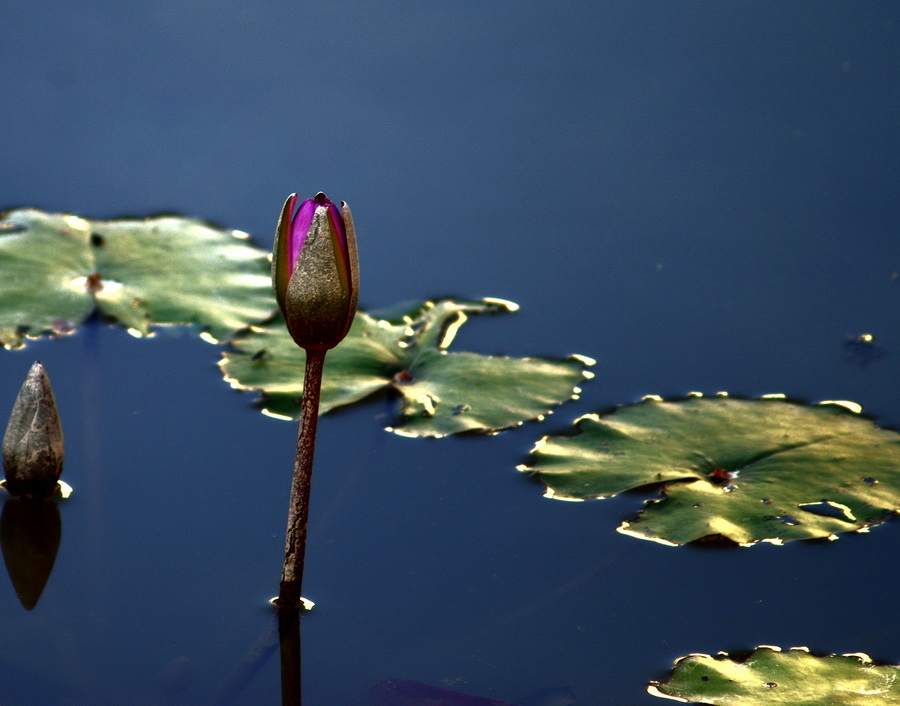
(299, 228)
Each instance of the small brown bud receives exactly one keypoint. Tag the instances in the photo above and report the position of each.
(33, 443)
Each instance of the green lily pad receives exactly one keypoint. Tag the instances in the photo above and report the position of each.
(441, 392)
(56, 269)
(770, 676)
(746, 470)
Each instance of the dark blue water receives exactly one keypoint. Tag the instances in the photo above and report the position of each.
(702, 197)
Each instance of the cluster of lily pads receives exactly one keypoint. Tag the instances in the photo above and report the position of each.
(738, 470)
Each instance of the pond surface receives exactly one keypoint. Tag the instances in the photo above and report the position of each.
(700, 200)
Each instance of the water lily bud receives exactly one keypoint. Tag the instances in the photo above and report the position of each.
(33, 443)
(315, 271)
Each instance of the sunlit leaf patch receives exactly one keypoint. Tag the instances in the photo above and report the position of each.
(56, 269)
(744, 470)
(441, 392)
(790, 678)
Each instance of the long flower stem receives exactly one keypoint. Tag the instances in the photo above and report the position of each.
(298, 513)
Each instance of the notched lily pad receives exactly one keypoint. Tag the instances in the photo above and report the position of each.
(56, 269)
(744, 470)
(770, 676)
(441, 392)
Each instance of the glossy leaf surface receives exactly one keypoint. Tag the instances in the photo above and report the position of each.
(45, 260)
(56, 269)
(747, 470)
(791, 678)
(441, 392)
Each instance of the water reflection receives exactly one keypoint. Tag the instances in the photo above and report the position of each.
(30, 531)
(289, 641)
(282, 634)
(403, 692)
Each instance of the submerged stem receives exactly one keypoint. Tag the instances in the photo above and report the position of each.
(298, 512)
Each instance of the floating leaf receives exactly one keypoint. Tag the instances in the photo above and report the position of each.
(442, 392)
(45, 260)
(770, 676)
(747, 470)
(56, 269)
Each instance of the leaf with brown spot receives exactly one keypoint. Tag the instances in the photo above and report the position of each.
(746, 470)
(442, 392)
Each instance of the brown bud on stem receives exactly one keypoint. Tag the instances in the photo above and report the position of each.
(33, 443)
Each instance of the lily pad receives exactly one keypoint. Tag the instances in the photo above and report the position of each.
(56, 269)
(441, 392)
(746, 470)
(770, 676)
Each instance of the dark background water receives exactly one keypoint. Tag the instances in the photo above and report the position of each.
(702, 196)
